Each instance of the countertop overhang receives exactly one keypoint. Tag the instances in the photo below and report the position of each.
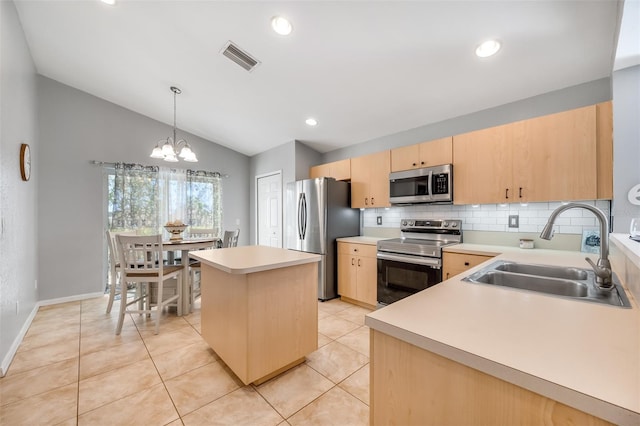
(582, 354)
(250, 259)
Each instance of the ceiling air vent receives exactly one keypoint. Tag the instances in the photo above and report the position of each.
(240, 57)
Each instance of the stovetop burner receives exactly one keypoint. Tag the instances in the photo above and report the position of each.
(424, 237)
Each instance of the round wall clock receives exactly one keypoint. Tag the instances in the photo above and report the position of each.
(25, 161)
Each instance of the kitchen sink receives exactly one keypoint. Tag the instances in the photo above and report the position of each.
(548, 285)
(573, 283)
(544, 270)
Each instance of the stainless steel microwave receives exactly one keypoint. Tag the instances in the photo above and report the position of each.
(425, 185)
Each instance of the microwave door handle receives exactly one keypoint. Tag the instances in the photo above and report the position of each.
(429, 182)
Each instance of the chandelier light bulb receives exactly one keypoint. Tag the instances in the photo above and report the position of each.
(157, 153)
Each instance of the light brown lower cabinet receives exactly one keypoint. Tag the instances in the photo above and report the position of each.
(357, 273)
(412, 386)
(457, 263)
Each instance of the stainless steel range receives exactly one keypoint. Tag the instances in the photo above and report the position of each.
(413, 262)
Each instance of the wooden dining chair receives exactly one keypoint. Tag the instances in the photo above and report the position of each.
(195, 267)
(141, 264)
(115, 278)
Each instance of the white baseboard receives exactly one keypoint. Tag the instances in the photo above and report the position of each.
(6, 362)
(70, 299)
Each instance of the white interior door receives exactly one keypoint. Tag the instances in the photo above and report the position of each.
(269, 214)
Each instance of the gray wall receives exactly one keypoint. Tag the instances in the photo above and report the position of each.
(548, 103)
(18, 199)
(76, 128)
(293, 159)
(626, 137)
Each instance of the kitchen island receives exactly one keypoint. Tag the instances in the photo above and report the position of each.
(466, 353)
(259, 308)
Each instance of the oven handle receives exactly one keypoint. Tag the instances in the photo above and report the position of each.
(427, 261)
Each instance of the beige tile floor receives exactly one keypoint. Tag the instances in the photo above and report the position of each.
(72, 369)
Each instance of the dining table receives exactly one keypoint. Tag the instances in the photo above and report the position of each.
(185, 246)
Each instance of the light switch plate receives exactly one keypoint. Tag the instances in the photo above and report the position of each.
(514, 221)
(379, 220)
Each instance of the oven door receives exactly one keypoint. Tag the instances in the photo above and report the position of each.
(402, 275)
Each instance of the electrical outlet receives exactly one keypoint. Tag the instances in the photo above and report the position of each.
(379, 220)
(514, 221)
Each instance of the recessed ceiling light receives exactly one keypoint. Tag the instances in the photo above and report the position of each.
(488, 48)
(109, 2)
(281, 25)
(311, 122)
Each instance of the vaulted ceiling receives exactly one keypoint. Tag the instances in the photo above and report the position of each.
(362, 69)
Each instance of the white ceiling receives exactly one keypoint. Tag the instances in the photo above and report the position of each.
(363, 69)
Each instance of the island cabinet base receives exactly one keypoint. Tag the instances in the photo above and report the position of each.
(260, 323)
(411, 386)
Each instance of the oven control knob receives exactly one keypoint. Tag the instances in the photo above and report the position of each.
(411, 223)
(404, 223)
(445, 224)
(454, 225)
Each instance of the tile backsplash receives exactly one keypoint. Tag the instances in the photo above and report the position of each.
(493, 217)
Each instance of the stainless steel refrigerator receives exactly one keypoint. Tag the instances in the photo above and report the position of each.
(317, 212)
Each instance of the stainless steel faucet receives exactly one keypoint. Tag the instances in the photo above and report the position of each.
(603, 267)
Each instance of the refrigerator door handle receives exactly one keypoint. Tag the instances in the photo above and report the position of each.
(299, 216)
(304, 216)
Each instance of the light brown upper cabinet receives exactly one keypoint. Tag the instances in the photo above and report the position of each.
(604, 114)
(549, 158)
(370, 180)
(339, 170)
(425, 154)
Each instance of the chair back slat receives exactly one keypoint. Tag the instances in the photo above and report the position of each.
(141, 253)
(230, 238)
(203, 232)
(114, 252)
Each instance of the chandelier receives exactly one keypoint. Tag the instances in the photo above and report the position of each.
(167, 149)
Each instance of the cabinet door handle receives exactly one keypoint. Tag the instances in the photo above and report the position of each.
(372, 201)
(353, 261)
(447, 275)
(422, 163)
(466, 263)
(413, 164)
(366, 201)
(358, 262)
(506, 193)
(520, 192)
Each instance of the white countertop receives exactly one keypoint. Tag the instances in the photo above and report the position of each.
(361, 240)
(250, 259)
(586, 355)
(630, 248)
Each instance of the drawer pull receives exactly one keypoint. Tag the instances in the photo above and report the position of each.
(466, 263)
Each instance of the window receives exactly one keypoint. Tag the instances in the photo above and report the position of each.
(145, 198)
